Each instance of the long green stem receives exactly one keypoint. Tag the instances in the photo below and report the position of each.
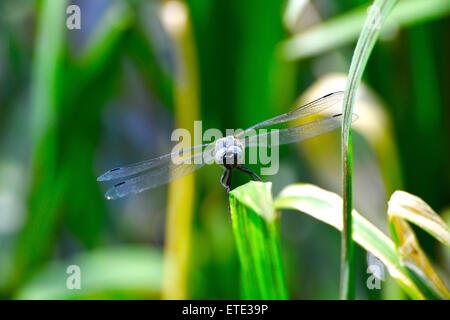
(34, 243)
(377, 14)
(181, 195)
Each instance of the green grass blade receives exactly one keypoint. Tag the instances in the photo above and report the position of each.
(326, 207)
(255, 227)
(104, 40)
(376, 17)
(35, 242)
(347, 275)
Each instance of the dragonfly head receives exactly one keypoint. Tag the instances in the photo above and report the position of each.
(229, 152)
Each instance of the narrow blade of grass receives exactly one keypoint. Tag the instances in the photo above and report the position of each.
(34, 243)
(103, 41)
(181, 193)
(255, 227)
(376, 17)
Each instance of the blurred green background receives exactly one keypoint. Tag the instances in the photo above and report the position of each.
(75, 103)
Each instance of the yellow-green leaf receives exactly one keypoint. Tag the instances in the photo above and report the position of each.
(410, 207)
(327, 207)
(404, 206)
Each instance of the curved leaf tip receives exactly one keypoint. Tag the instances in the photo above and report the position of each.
(258, 197)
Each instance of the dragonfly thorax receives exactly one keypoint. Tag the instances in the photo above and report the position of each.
(229, 152)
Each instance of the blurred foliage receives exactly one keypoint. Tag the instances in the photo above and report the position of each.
(118, 272)
(405, 261)
(74, 103)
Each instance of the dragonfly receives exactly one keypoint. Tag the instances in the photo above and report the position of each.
(227, 152)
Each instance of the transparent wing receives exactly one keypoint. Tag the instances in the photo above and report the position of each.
(136, 168)
(295, 134)
(315, 106)
(159, 176)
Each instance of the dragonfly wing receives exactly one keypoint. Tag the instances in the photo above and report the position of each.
(295, 134)
(153, 178)
(315, 106)
(136, 168)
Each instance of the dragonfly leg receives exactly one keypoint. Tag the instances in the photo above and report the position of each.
(250, 172)
(228, 183)
(224, 179)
